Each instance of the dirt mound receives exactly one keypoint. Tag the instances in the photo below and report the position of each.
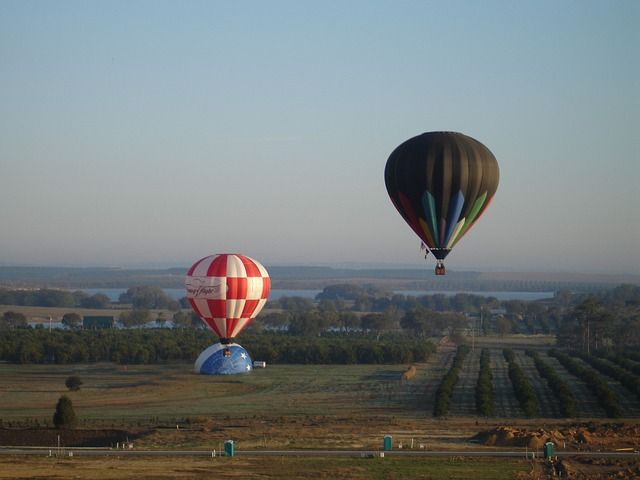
(48, 437)
(513, 437)
(578, 436)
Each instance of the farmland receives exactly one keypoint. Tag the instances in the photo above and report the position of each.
(122, 393)
(320, 406)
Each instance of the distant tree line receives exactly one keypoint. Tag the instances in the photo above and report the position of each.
(45, 297)
(419, 322)
(602, 321)
(591, 322)
(142, 297)
(150, 346)
(367, 298)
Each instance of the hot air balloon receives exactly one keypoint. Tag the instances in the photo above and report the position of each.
(441, 183)
(227, 291)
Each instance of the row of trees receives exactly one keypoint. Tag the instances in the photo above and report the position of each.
(448, 382)
(521, 386)
(622, 359)
(558, 386)
(484, 387)
(163, 345)
(606, 398)
(626, 378)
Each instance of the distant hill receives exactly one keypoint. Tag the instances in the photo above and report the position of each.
(317, 277)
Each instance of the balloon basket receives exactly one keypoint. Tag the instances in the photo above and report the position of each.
(223, 359)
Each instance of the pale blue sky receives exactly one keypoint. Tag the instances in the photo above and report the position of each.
(140, 133)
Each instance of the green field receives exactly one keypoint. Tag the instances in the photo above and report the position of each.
(280, 407)
(113, 392)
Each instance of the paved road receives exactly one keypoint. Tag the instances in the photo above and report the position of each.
(97, 452)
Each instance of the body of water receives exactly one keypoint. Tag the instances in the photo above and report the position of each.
(178, 293)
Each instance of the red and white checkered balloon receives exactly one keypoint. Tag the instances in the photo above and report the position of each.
(227, 291)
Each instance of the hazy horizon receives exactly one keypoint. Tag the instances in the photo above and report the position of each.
(156, 133)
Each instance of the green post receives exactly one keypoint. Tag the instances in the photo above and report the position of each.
(228, 448)
(388, 443)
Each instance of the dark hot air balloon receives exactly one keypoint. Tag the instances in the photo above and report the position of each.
(441, 183)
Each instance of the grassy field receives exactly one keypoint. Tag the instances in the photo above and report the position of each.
(115, 392)
(282, 407)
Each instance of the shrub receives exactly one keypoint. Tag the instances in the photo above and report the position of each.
(64, 416)
(73, 383)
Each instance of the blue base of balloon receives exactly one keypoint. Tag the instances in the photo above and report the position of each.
(212, 360)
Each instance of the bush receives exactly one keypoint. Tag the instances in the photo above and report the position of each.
(73, 383)
(64, 416)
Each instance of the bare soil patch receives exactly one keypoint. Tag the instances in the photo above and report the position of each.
(576, 436)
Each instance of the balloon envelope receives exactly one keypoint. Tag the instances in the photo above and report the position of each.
(441, 183)
(227, 291)
(214, 361)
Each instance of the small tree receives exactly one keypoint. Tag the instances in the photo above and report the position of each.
(64, 416)
(135, 318)
(13, 320)
(72, 320)
(73, 383)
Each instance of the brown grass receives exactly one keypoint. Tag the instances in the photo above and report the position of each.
(295, 468)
